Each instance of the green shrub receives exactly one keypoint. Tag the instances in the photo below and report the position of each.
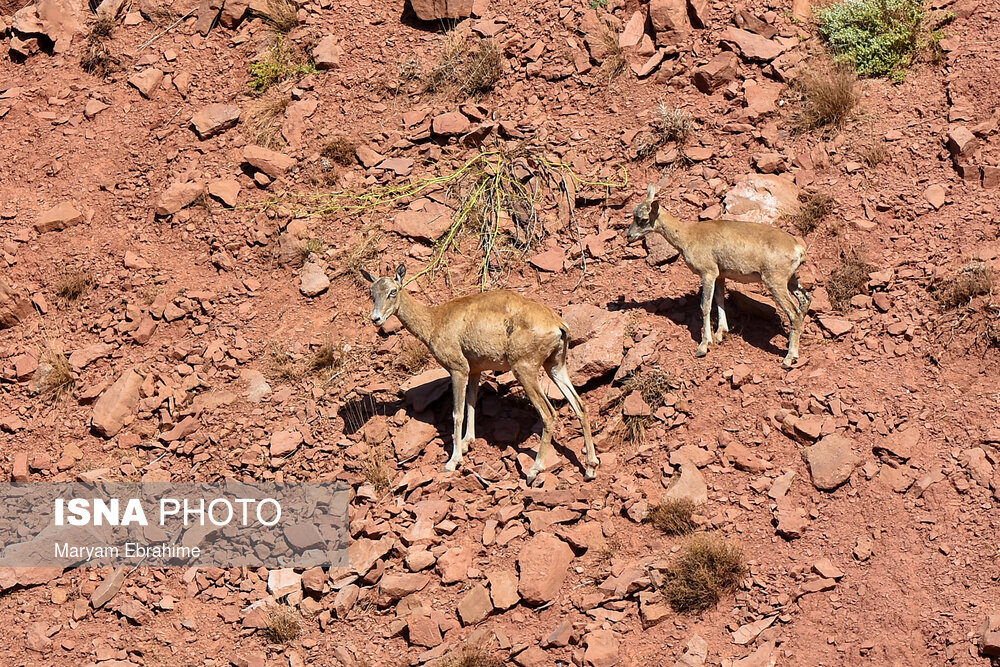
(279, 64)
(878, 37)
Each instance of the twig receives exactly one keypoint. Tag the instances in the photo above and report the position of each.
(166, 30)
(576, 223)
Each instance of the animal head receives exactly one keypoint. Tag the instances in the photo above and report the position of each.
(385, 293)
(644, 215)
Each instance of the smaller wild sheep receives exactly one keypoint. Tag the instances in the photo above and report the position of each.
(743, 251)
(493, 331)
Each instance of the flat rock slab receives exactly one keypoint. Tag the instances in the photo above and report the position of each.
(543, 564)
(831, 461)
(215, 119)
(61, 217)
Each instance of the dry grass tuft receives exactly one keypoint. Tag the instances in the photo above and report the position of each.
(469, 72)
(674, 516)
(97, 58)
(653, 385)
(376, 469)
(874, 154)
(974, 279)
(614, 63)
(281, 14)
(360, 253)
(828, 97)
(311, 247)
(281, 365)
(74, 284)
(55, 376)
(849, 279)
(340, 150)
(473, 655)
(668, 125)
(261, 120)
(413, 357)
(283, 625)
(706, 568)
(284, 61)
(815, 206)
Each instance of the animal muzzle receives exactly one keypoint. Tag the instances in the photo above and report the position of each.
(378, 318)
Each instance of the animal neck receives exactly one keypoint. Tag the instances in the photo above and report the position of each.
(671, 229)
(415, 316)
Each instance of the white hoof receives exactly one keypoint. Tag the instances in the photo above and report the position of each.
(452, 465)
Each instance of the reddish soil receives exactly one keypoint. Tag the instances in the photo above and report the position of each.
(918, 599)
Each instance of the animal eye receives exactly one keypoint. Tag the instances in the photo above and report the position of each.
(392, 293)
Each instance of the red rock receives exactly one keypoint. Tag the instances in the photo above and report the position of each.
(602, 649)
(413, 438)
(935, 195)
(108, 588)
(792, 520)
(314, 580)
(635, 406)
(19, 472)
(147, 81)
(450, 124)
(454, 564)
(423, 630)
(633, 32)
(991, 177)
(327, 53)
(177, 197)
(962, 142)
(762, 198)
(698, 13)
(61, 217)
(397, 586)
(423, 220)
(37, 638)
(761, 98)
(367, 156)
(13, 306)
(437, 10)
(831, 461)
(503, 589)
(215, 119)
(543, 564)
(689, 484)
(270, 162)
(695, 653)
(670, 20)
(475, 606)
(549, 260)
(225, 190)
(835, 325)
(57, 20)
(285, 442)
(749, 45)
(186, 427)
(117, 404)
(233, 12)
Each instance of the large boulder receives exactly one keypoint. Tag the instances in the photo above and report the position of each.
(437, 10)
(762, 198)
(58, 21)
(597, 337)
(543, 564)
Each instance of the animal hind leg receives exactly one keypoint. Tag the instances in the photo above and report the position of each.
(471, 396)
(560, 376)
(707, 291)
(722, 328)
(790, 305)
(459, 382)
(528, 377)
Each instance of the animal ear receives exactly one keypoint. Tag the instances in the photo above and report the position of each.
(651, 193)
(654, 210)
(400, 273)
(367, 276)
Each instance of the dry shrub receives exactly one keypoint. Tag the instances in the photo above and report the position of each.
(281, 364)
(376, 469)
(261, 120)
(281, 14)
(874, 154)
(614, 63)
(282, 625)
(55, 379)
(470, 72)
(653, 385)
(360, 253)
(815, 206)
(474, 655)
(282, 62)
(340, 150)
(674, 516)
(828, 97)
(706, 568)
(972, 280)
(74, 284)
(413, 357)
(849, 279)
(327, 358)
(311, 247)
(668, 125)
(97, 58)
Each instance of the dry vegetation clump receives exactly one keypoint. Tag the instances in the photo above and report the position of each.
(281, 14)
(874, 154)
(340, 150)
(376, 469)
(974, 279)
(613, 65)
(311, 247)
(815, 206)
(281, 365)
(261, 120)
(828, 98)
(473, 655)
(653, 385)
(706, 568)
(282, 625)
(359, 254)
(668, 125)
(849, 279)
(278, 64)
(55, 378)
(469, 72)
(673, 516)
(97, 58)
(412, 358)
(74, 284)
